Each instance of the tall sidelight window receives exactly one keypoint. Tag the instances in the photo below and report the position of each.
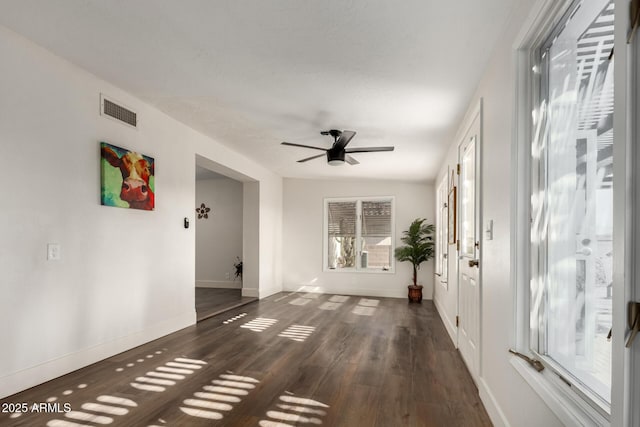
(572, 200)
(359, 234)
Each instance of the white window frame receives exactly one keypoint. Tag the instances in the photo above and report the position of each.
(325, 235)
(572, 406)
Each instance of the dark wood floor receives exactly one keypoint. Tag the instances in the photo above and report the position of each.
(288, 360)
(210, 302)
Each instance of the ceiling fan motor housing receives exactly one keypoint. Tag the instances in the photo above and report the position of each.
(335, 157)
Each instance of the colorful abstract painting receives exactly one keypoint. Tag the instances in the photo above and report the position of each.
(127, 178)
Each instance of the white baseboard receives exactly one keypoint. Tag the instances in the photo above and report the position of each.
(363, 292)
(29, 377)
(219, 284)
(264, 293)
(448, 324)
(491, 405)
(250, 292)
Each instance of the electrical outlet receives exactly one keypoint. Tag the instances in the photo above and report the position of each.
(53, 252)
(227, 275)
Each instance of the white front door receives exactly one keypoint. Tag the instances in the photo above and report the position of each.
(469, 254)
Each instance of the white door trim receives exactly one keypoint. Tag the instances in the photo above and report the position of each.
(464, 136)
(627, 112)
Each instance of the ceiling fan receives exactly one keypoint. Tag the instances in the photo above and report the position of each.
(338, 154)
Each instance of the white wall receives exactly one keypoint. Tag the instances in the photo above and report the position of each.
(126, 276)
(250, 251)
(303, 240)
(508, 398)
(218, 237)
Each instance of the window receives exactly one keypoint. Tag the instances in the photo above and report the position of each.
(441, 231)
(572, 201)
(359, 234)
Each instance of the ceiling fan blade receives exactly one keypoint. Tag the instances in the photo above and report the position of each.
(351, 160)
(344, 139)
(303, 146)
(368, 149)
(310, 158)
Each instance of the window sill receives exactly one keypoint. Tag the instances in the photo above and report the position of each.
(353, 270)
(570, 408)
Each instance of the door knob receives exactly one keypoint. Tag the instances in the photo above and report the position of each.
(473, 263)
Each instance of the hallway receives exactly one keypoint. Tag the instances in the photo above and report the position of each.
(210, 301)
(290, 359)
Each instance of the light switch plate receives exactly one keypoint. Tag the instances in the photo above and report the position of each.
(488, 230)
(53, 252)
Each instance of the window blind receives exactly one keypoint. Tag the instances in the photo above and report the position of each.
(341, 218)
(376, 218)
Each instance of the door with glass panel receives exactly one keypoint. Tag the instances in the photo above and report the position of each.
(469, 263)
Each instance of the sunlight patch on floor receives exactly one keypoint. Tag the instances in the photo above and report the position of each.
(201, 413)
(334, 303)
(217, 396)
(174, 370)
(117, 400)
(236, 384)
(234, 318)
(156, 381)
(239, 378)
(299, 301)
(302, 409)
(183, 365)
(297, 333)
(91, 418)
(311, 295)
(52, 399)
(192, 361)
(302, 401)
(227, 390)
(215, 400)
(167, 375)
(282, 297)
(100, 413)
(139, 360)
(147, 387)
(366, 307)
(294, 410)
(259, 324)
(63, 423)
(105, 409)
(330, 306)
(363, 311)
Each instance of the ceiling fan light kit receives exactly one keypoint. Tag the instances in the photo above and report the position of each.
(337, 155)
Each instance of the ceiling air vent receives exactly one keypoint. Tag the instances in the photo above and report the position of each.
(111, 109)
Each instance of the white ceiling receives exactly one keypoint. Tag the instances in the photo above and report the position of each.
(252, 74)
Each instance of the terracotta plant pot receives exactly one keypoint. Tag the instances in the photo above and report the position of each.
(415, 293)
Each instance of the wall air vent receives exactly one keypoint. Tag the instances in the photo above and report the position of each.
(114, 110)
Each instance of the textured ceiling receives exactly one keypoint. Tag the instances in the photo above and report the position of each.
(251, 74)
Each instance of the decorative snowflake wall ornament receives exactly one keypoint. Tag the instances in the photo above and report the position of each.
(203, 211)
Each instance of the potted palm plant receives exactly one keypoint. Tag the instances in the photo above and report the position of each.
(418, 248)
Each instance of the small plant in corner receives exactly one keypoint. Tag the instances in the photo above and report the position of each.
(238, 266)
(419, 247)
